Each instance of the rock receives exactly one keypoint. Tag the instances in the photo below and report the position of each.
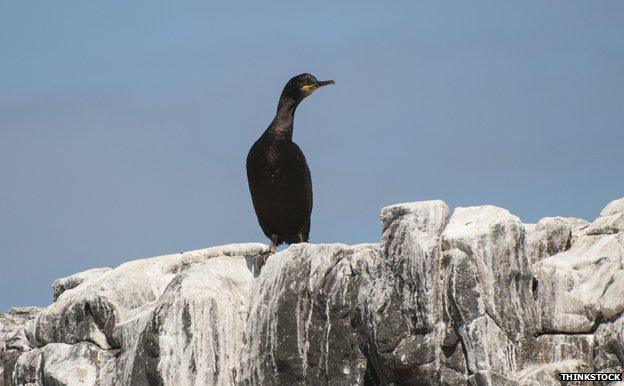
(61, 285)
(13, 339)
(169, 319)
(614, 207)
(28, 369)
(611, 303)
(558, 348)
(494, 241)
(609, 346)
(465, 298)
(188, 337)
(611, 219)
(473, 298)
(577, 287)
(63, 364)
(403, 300)
(548, 374)
(607, 224)
(552, 235)
(105, 300)
(490, 378)
(453, 368)
(487, 346)
(304, 323)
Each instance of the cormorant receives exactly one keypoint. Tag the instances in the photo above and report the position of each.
(278, 174)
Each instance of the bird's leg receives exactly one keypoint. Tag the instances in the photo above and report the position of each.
(260, 259)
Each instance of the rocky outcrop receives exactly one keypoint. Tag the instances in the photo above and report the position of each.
(469, 297)
(176, 319)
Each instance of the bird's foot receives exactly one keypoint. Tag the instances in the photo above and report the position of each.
(260, 260)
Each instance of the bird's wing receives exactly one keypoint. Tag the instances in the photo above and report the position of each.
(302, 164)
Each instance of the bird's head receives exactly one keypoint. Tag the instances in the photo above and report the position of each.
(303, 85)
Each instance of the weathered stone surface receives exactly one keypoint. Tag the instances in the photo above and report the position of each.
(487, 346)
(575, 286)
(104, 300)
(558, 348)
(609, 346)
(13, 339)
(194, 334)
(64, 364)
(611, 219)
(614, 207)
(66, 283)
(465, 298)
(490, 378)
(176, 319)
(304, 323)
(548, 374)
(474, 298)
(28, 370)
(404, 313)
(552, 235)
(607, 224)
(494, 240)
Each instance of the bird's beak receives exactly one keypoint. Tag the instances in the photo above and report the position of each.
(322, 83)
(317, 85)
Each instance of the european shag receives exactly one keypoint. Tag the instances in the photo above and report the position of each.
(278, 174)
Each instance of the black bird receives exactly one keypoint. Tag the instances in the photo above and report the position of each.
(278, 174)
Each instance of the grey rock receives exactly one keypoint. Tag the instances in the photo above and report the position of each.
(100, 303)
(611, 219)
(607, 224)
(13, 339)
(170, 320)
(465, 298)
(557, 348)
(66, 283)
(614, 207)
(188, 337)
(473, 298)
(494, 240)
(548, 374)
(609, 346)
(453, 367)
(490, 378)
(403, 313)
(552, 235)
(63, 364)
(304, 323)
(487, 346)
(28, 369)
(580, 286)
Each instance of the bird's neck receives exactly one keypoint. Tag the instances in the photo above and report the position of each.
(282, 126)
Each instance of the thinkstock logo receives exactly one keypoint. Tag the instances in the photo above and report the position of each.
(610, 377)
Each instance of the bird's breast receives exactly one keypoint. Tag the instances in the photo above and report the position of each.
(278, 163)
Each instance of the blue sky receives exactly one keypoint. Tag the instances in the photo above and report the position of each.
(124, 126)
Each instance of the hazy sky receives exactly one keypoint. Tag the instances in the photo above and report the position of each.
(124, 126)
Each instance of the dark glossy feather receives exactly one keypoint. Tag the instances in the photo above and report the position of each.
(281, 189)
